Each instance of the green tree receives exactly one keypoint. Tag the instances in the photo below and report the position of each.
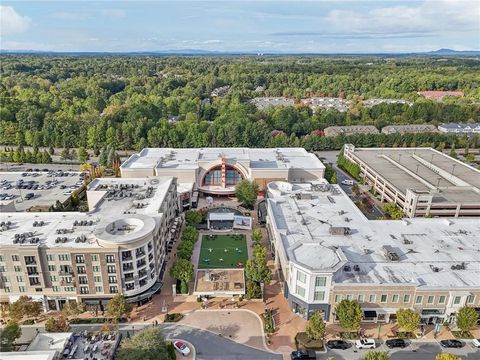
(65, 154)
(349, 314)
(246, 192)
(82, 154)
(8, 334)
(57, 324)
(393, 211)
(182, 270)
(377, 355)
(117, 307)
(24, 306)
(257, 235)
(315, 328)
(467, 318)
(408, 319)
(256, 269)
(147, 344)
(73, 308)
(447, 356)
(193, 217)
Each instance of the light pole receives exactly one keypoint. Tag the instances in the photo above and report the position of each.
(453, 168)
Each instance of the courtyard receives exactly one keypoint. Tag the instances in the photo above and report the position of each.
(223, 251)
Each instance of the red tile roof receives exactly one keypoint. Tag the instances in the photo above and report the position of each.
(439, 94)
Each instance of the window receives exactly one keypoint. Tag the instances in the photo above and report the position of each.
(30, 260)
(430, 299)
(7, 289)
(371, 298)
(110, 258)
(21, 288)
(319, 295)
(1, 258)
(395, 298)
(53, 278)
(55, 289)
(360, 298)
(49, 257)
(111, 269)
(320, 281)
(233, 177)
(15, 258)
(96, 268)
(300, 291)
(338, 298)
(69, 288)
(17, 269)
(419, 299)
(19, 279)
(81, 270)
(79, 259)
(350, 297)
(83, 289)
(95, 257)
(97, 279)
(113, 289)
(98, 289)
(112, 279)
(83, 280)
(63, 257)
(441, 299)
(301, 277)
(457, 300)
(470, 299)
(2, 268)
(51, 267)
(383, 298)
(406, 298)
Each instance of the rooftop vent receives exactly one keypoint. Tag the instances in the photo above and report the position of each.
(390, 253)
(461, 266)
(347, 268)
(340, 230)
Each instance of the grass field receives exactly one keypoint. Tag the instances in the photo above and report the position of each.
(222, 251)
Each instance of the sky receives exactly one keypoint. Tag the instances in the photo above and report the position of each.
(234, 26)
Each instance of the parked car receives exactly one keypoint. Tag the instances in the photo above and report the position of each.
(451, 343)
(29, 196)
(396, 343)
(347, 182)
(338, 344)
(476, 343)
(181, 347)
(303, 355)
(365, 344)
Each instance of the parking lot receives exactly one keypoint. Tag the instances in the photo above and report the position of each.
(40, 189)
(414, 351)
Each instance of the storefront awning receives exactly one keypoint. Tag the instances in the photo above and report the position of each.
(369, 314)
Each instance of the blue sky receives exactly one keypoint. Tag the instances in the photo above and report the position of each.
(265, 26)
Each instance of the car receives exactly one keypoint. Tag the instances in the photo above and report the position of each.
(476, 343)
(396, 343)
(29, 196)
(338, 344)
(347, 182)
(365, 344)
(451, 343)
(181, 347)
(303, 355)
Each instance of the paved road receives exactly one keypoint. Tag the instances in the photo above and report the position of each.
(208, 345)
(417, 351)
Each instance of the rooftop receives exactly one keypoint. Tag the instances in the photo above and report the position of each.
(189, 159)
(425, 169)
(321, 229)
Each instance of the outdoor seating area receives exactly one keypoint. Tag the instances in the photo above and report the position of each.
(223, 251)
(216, 282)
(92, 345)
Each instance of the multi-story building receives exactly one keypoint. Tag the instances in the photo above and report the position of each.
(460, 129)
(409, 129)
(439, 94)
(218, 170)
(333, 131)
(119, 246)
(326, 250)
(421, 181)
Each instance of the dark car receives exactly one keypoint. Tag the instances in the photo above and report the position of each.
(29, 196)
(396, 343)
(338, 344)
(303, 355)
(451, 343)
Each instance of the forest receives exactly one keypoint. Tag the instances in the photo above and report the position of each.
(126, 102)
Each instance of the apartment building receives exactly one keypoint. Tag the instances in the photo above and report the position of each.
(460, 129)
(326, 250)
(119, 246)
(421, 181)
(333, 131)
(409, 129)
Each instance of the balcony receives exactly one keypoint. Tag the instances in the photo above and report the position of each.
(127, 267)
(141, 263)
(127, 258)
(142, 273)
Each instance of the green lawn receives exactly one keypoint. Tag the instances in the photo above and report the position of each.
(223, 251)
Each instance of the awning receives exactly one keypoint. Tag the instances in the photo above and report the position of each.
(369, 314)
(215, 216)
(145, 295)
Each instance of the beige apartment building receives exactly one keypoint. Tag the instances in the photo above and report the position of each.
(119, 246)
(333, 131)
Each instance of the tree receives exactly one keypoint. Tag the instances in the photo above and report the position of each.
(182, 270)
(117, 307)
(467, 318)
(57, 324)
(193, 217)
(246, 192)
(73, 308)
(447, 356)
(82, 154)
(393, 211)
(349, 314)
(9, 334)
(24, 306)
(65, 154)
(316, 326)
(147, 344)
(256, 269)
(408, 319)
(257, 235)
(377, 355)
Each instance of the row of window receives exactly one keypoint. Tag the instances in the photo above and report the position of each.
(395, 298)
(79, 259)
(320, 281)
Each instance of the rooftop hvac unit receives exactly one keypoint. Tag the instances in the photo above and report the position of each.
(390, 253)
(340, 230)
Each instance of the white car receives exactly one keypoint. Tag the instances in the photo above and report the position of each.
(347, 182)
(181, 347)
(476, 343)
(365, 344)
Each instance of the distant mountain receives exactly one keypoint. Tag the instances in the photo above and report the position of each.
(453, 52)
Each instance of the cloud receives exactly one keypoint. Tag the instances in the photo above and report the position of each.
(366, 35)
(114, 13)
(11, 22)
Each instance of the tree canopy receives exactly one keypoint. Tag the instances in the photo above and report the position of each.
(316, 327)
(247, 192)
(148, 344)
(467, 318)
(349, 313)
(408, 319)
(117, 307)
(8, 334)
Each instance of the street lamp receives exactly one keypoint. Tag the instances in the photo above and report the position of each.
(418, 165)
(453, 168)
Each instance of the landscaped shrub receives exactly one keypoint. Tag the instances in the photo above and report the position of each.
(94, 320)
(350, 167)
(268, 323)
(173, 317)
(253, 291)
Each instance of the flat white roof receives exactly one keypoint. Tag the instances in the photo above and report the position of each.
(188, 159)
(28, 355)
(427, 248)
(49, 341)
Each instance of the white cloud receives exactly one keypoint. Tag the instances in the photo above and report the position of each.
(11, 22)
(430, 16)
